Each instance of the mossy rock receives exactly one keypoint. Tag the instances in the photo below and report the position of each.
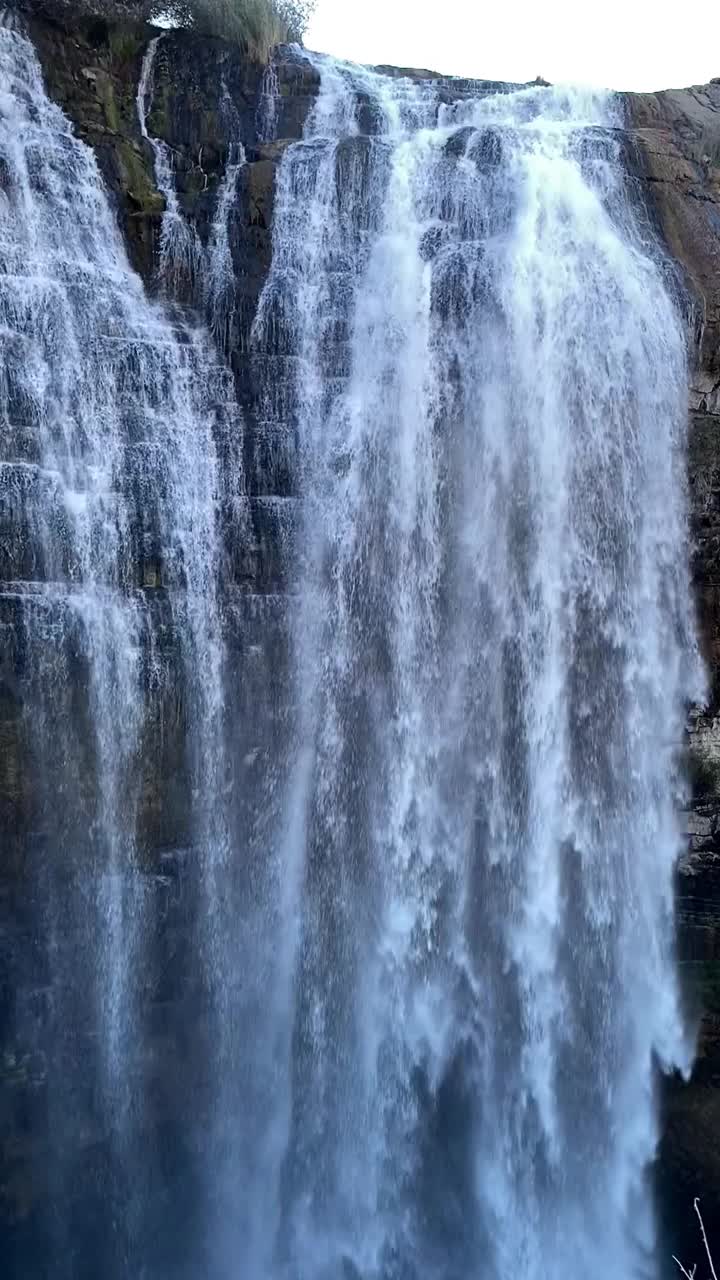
(126, 44)
(106, 94)
(137, 180)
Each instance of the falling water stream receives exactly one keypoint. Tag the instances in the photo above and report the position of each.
(113, 410)
(492, 653)
(416, 918)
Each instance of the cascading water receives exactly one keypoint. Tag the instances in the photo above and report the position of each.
(184, 262)
(218, 276)
(267, 113)
(493, 649)
(114, 412)
(368, 976)
(180, 248)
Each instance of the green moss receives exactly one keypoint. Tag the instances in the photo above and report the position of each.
(137, 179)
(125, 44)
(106, 95)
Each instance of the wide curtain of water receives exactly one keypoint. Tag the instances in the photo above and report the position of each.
(416, 916)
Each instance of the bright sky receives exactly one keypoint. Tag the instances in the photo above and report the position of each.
(620, 44)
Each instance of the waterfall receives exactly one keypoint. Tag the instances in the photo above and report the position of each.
(114, 414)
(218, 276)
(180, 248)
(492, 656)
(346, 885)
(207, 273)
(267, 112)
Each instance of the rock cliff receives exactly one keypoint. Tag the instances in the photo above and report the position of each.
(92, 69)
(677, 135)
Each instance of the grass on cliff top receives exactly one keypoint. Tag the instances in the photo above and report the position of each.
(256, 25)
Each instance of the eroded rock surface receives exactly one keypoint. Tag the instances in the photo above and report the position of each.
(677, 133)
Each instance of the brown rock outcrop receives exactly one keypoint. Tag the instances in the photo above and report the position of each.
(677, 136)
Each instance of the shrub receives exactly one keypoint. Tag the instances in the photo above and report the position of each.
(67, 11)
(256, 25)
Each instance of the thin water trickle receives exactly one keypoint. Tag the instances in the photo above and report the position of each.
(180, 247)
(218, 275)
(186, 266)
(268, 106)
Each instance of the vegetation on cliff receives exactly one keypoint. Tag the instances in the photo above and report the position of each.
(256, 25)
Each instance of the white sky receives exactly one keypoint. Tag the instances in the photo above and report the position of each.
(621, 44)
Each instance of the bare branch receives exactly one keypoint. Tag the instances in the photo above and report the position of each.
(689, 1275)
(696, 1206)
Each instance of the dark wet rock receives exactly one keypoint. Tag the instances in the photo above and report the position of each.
(675, 143)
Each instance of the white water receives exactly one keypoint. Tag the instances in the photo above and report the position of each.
(415, 931)
(267, 113)
(218, 276)
(185, 264)
(492, 656)
(111, 410)
(180, 249)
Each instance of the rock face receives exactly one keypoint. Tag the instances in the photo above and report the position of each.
(92, 69)
(94, 73)
(678, 147)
